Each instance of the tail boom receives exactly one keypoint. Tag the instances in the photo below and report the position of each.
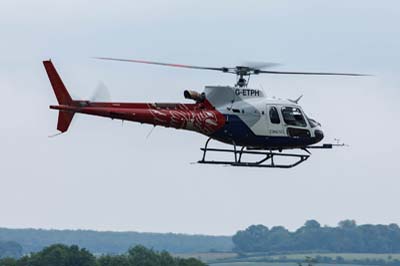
(179, 116)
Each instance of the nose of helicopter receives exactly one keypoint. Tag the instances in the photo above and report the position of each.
(319, 135)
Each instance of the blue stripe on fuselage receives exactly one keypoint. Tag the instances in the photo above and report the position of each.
(235, 130)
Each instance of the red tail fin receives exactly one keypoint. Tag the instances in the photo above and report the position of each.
(63, 97)
(59, 88)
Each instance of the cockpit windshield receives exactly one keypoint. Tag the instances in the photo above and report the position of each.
(312, 122)
(293, 116)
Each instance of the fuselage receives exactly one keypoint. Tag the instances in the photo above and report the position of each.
(232, 115)
(254, 121)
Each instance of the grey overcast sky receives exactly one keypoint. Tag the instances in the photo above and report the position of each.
(107, 176)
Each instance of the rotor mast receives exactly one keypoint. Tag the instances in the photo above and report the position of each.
(243, 74)
(241, 80)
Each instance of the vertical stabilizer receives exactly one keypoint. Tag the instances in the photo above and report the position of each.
(62, 95)
(59, 88)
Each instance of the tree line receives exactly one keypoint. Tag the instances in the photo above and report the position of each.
(34, 240)
(346, 237)
(10, 249)
(62, 255)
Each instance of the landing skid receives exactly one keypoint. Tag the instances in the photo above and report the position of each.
(266, 161)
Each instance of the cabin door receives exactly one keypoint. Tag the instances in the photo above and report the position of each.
(275, 125)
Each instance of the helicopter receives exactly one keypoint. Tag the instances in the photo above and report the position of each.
(256, 126)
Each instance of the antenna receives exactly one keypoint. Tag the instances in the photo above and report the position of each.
(297, 100)
(151, 131)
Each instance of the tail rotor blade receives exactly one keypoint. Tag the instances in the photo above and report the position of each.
(101, 93)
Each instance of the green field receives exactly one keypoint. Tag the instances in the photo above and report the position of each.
(260, 259)
(271, 264)
(346, 256)
(208, 257)
(253, 263)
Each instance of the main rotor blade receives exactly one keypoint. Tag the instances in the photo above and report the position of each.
(259, 65)
(223, 69)
(311, 73)
(238, 70)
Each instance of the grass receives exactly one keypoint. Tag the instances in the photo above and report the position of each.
(346, 256)
(210, 256)
(272, 264)
(231, 258)
(253, 263)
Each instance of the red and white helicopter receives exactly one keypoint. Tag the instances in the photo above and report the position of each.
(238, 115)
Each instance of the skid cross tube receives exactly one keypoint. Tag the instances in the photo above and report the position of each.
(238, 160)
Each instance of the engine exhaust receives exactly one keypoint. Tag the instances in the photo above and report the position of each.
(194, 95)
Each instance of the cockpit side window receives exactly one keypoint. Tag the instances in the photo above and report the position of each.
(274, 116)
(293, 116)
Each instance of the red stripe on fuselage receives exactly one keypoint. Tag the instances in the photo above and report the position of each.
(200, 117)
